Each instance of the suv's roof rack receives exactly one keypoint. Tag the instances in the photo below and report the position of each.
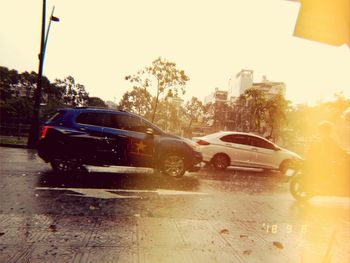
(89, 107)
(100, 108)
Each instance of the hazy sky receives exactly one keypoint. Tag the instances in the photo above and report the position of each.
(100, 42)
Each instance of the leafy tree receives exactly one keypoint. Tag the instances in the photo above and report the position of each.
(170, 116)
(257, 105)
(16, 93)
(8, 79)
(303, 119)
(276, 108)
(17, 90)
(74, 94)
(221, 110)
(96, 102)
(162, 74)
(240, 113)
(137, 101)
(194, 110)
(208, 114)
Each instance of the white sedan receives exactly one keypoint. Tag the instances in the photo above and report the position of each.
(222, 149)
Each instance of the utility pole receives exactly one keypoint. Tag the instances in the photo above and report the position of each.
(35, 123)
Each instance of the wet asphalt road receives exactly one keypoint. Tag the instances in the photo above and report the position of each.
(132, 215)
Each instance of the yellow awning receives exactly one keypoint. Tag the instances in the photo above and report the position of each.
(326, 21)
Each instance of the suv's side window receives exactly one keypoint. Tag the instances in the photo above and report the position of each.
(125, 122)
(257, 142)
(93, 118)
(236, 138)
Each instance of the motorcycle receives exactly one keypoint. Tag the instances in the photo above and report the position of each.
(304, 185)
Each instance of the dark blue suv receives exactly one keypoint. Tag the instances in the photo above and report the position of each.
(102, 137)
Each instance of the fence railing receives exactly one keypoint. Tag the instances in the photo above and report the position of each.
(14, 129)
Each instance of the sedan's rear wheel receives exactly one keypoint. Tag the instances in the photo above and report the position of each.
(173, 165)
(220, 161)
(285, 165)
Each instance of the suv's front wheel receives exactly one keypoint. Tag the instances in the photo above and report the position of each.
(173, 164)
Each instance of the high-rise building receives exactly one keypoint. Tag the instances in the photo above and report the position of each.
(242, 81)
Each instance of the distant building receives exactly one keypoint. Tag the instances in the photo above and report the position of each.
(244, 80)
(216, 96)
(223, 115)
(238, 85)
(270, 87)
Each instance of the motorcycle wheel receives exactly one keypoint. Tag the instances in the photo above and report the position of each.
(297, 189)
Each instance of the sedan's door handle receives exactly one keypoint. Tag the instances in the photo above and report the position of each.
(82, 129)
(254, 149)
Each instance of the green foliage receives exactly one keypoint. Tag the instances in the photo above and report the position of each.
(194, 110)
(17, 91)
(137, 101)
(257, 106)
(96, 102)
(74, 94)
(163, 75)
(170, 117)
(304, 119)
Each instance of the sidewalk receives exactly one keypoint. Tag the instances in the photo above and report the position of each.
(45, 238)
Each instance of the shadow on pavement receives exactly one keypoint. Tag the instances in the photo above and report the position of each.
(239, 174)
(105, 180)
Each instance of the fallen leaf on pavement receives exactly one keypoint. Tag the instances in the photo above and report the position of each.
(242, 236)
(52, 228)
(224, 231)
(247, 252)
(278, 244)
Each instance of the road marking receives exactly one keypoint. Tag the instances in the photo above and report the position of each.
(114, 193)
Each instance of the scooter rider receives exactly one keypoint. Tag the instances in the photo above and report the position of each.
(324, 156)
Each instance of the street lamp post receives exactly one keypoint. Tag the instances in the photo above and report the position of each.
(34, 128)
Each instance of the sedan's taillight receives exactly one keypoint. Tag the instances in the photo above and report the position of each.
(202, 142)
(44, 131)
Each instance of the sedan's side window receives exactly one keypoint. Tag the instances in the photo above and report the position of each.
(236, 138)
(257, 142)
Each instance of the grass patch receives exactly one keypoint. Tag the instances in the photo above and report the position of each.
(13, 140)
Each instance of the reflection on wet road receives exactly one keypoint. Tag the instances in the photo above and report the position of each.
(132, 216)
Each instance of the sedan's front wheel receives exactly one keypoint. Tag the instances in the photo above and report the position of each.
(173, 165)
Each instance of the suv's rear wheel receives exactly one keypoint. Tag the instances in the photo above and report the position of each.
(63, 166)
(173, 165)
